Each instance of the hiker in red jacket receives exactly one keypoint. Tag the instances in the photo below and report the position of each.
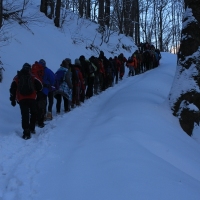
(27, 102)
(77, 82)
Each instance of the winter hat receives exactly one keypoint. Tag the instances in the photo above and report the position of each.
(42, 62)
(26, 67)
(77, 62)
(82, 57)
(101, 53)
(68, 60)
(63, 64)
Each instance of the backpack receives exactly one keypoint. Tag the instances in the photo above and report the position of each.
(146, 56)
(59, 78)
(91, 68)
(130, 59)
(38, 71)
(25, 83)
(75, 77)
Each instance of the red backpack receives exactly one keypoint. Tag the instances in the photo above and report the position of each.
(38, 71)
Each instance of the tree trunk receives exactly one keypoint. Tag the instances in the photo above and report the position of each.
(43, 6)
(88, 9)
(1, 13)
(137, 23)
(185, 96)
(57, 13)
(80, 8)
(127, 13)
(101, 13)
(107, 13)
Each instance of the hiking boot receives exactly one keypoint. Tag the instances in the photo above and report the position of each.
(68, 110)
(41, 125)
(26, 134)
(49, 116)
(32, 131)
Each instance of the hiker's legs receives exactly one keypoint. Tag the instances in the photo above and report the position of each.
(58, 103)
(50, 101)
(33, 113)
(24, 107)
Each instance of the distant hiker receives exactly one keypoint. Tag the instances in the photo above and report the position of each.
(131, 65)
(110, 72)
(77, 82)
(102, 75)
(84, 65)
(122, 60)
(89, 75)
(146, 57)
(42, 72)
(158, 56)
(117, 65)
(139, 62)
(23, 90)
(96, 65)
(50, 98)
(63, 85)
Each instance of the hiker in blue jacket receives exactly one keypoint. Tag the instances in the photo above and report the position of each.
(63, 85)
(48, 81)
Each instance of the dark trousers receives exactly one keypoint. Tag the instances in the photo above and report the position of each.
(90, 88)
(116, 76)
(41, 107)
(76, 94)
(96, 84)
(59, 97)
(28, 113)
(50, 101)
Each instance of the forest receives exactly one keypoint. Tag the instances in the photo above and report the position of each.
(158, 22)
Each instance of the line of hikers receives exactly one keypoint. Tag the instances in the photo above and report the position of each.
(35, 87)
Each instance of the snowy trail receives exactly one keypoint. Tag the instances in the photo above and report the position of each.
(20, 158)
(101, 147)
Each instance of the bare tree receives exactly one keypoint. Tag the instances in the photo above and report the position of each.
(135, 19)
(88, 9)
(126, 10)
(80, 7)
(185, 93)
(1, 13)
(107, 13)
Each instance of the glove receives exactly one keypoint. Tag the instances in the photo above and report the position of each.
(11, 98)
(13, 103)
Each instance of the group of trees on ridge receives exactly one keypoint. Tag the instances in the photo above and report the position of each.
(154, 21)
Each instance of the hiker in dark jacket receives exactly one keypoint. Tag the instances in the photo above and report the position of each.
(27, 103)
(117, 65)
(122, 60)
(89, 71)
